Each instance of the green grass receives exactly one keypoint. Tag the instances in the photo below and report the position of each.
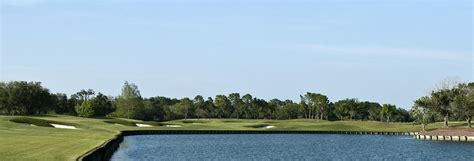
(230, 120)
(121, 122)
(196, 121)
(154, 123)
(20, 141)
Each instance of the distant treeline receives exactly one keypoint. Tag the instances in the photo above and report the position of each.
(28, 98)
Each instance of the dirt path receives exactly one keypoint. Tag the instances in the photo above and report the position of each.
(451, 132)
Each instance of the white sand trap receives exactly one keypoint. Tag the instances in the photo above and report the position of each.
(173, 126)
(197, 123)
(63, 126)
(143, 125)
(119, 124)
(268, 127)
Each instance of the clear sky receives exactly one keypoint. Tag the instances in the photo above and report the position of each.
(390, 51)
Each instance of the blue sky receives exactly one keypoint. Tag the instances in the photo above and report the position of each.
(390, 51)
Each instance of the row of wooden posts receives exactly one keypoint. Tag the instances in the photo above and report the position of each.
(148, 132)
(416, 135)
(444, 138)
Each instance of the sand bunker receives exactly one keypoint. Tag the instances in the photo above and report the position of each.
(143, 125)
(268, 127)
(63, 126)
(173, 126)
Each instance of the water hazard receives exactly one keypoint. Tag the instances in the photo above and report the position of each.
(288, 147)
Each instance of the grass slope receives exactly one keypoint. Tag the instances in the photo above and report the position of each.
(20, 141)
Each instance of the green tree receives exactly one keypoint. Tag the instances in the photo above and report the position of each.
(5, 108)
(5, 103)
(101, 104)
(441, 100)
(281, 114)
(276, 109)
(247, 99)
(210, 107)
(130, 103)
(85, 94)
(184, 107)
(72, 103)
(353, 105)
(83, 106)
(151, 110)
(308, 106)
(322, 104)
(24, 98)
(402, 115)
(261, 109)
(85, 109)
(304, 109)
(158, 108)
(200, 106)
(388, 111)
(292, 109)
(374, 111)
(364, 109)
(62, 104)
(463, 102)
(346, 106)
(421, 110)
(237, 105)
(341, 109)
(223, 105)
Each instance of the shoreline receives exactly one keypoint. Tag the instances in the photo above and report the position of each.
(445, 138)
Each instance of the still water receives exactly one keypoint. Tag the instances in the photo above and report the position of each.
(289, 147)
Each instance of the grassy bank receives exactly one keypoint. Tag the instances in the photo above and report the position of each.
(21, 141)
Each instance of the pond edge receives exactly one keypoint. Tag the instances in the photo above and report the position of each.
(108, 148)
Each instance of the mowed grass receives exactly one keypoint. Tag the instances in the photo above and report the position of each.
(24, 142)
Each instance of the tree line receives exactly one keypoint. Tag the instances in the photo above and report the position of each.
(449, 102)
(29, 98)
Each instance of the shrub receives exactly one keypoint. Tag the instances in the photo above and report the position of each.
(37, 122)
(85, 109)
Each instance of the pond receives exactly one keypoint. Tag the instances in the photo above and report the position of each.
(288, 147)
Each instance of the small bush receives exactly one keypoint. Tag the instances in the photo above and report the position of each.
(85, 109)
(37, 122)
